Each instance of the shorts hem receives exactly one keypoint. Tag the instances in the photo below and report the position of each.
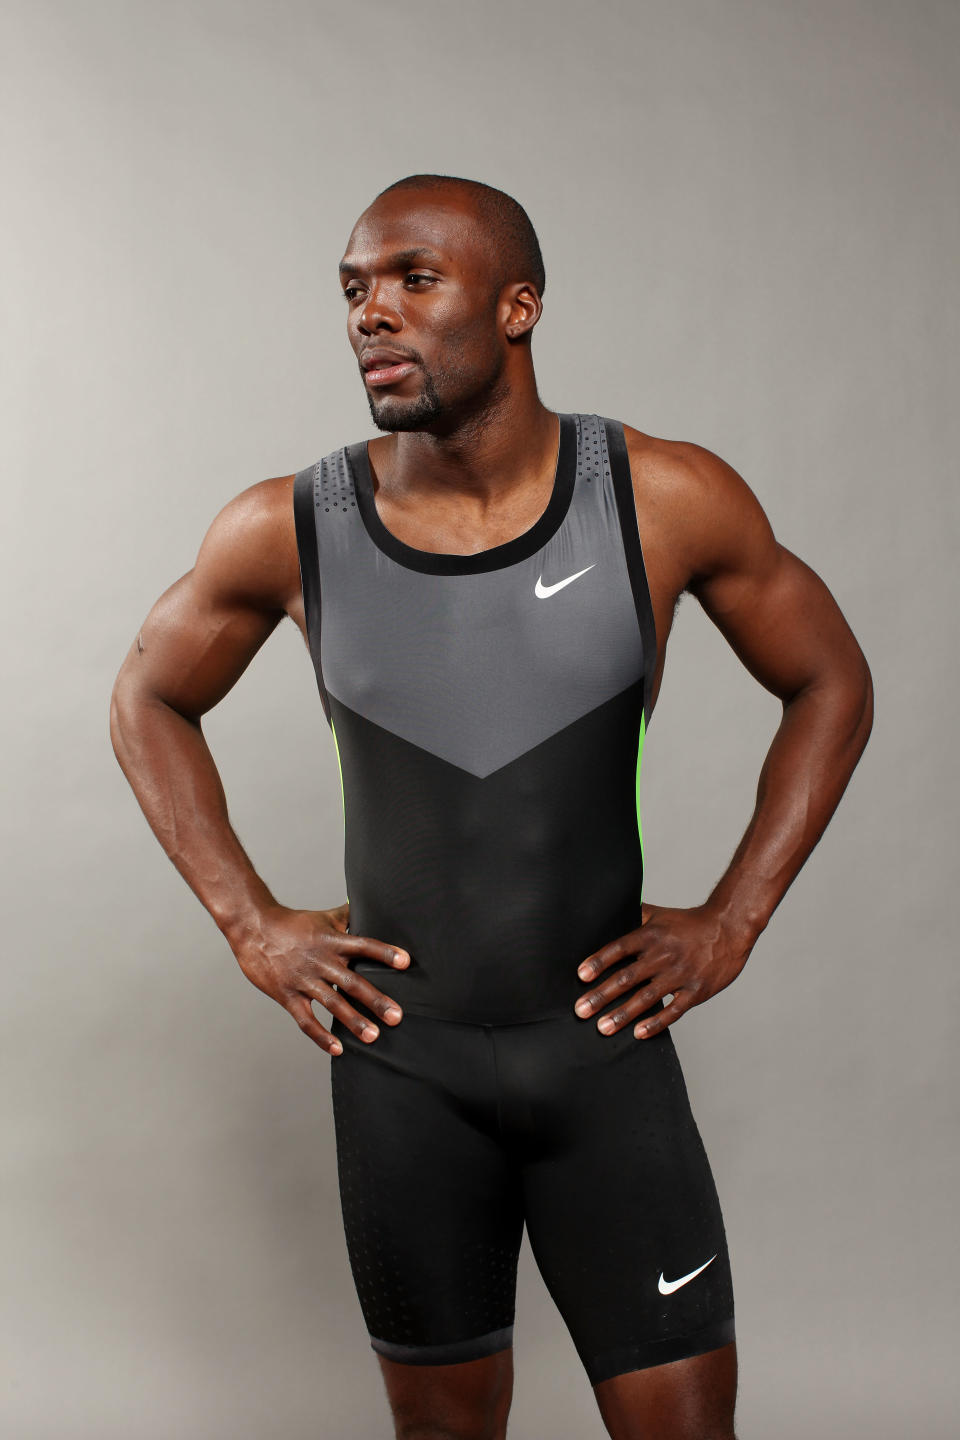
(644, 1355)
(452, 1353)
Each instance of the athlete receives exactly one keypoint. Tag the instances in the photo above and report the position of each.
(486, 590)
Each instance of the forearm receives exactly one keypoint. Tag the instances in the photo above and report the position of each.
(168, 763)
(816, 748)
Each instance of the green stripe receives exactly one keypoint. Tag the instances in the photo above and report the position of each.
(343, 800)
(643, 729)
(340, 768)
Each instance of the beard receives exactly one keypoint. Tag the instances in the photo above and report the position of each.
(390, 413)
(460, 395)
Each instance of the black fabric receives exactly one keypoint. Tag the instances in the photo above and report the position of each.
(452, 1136)
(492, 1105)
(499, 887)
(627, 511)
(452, 1354)
(307, 553)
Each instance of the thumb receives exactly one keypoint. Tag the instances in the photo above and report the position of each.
(340, 916)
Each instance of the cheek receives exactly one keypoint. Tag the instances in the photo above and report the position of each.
(467, 346)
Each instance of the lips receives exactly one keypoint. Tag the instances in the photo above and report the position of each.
(378, 357)
(384, 367)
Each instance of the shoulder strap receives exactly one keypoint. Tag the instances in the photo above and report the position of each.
(629, 529)
(304, 506)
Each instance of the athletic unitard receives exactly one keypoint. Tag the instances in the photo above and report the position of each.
(489, 714)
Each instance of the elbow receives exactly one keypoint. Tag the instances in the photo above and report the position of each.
(843, 694)
(117, 714)
(135, 709)
(126, 712)
(855, 704)
(866, 722)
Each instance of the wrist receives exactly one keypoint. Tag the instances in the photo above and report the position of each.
(740, 912)
(243, 918)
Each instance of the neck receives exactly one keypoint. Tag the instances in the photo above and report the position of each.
(500, 445)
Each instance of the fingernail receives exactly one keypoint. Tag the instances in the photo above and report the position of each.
(582, 1007)
(369, 1032)
(401, 957)
(336, 1048)
(606, 1025)
(640, 1031)
(584, 972)
(393, 1013)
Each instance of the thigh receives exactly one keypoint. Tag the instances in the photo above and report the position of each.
(431, 1205)
(622, 1211)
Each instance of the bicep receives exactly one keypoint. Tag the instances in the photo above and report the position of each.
(781, 621)
(776, 613)
(194, 646)
(203, 631)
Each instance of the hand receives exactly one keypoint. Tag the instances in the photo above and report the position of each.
(297, 956)
(689, 955)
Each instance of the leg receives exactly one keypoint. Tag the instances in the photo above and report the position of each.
(468, 1401)
(625, 1223)
(690, 1399)
(433, 1222)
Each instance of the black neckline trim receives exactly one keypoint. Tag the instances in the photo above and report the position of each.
(496, 556)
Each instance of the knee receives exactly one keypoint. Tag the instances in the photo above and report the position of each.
(468, 1401)
(704, 1432)
(420, 1431)
(685, 1431)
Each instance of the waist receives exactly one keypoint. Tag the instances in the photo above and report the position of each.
(507, 970)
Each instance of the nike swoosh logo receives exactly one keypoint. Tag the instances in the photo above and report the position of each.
(667, 1287)
(544, 590)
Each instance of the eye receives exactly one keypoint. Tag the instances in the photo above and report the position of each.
(349, 292)
(415, 275)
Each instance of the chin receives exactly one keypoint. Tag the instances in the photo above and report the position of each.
(391, 414)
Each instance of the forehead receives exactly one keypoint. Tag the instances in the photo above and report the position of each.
(397, 225)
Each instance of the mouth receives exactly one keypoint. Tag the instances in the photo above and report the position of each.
(383, 368)
(388, 374)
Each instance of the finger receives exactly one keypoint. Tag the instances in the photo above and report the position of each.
(678, 1006)
(332, 1000)
(358, 987)
(340, 915)
(636, 1006)
(374, 949)
(612, 988)
(607, 955)
(310, 1025)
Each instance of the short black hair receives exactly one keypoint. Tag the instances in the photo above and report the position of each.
(515, 240)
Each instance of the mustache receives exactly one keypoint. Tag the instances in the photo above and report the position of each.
(413, 355)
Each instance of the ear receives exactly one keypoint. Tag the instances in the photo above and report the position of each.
(520, 308)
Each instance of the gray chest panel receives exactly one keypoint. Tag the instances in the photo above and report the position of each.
(478, 668)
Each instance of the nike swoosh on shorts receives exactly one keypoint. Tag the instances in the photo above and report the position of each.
(667, 1287)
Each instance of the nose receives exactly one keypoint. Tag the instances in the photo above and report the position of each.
(376, 313)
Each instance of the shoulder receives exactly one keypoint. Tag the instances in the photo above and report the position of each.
(697, 504)
(683, 478)
(250, 549)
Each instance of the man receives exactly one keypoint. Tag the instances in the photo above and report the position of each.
(486, 590)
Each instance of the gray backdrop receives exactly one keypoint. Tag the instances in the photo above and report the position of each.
(750, 221)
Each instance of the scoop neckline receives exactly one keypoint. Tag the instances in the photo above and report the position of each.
(495, 557)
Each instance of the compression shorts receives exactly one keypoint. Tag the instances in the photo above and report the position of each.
(452, 1136)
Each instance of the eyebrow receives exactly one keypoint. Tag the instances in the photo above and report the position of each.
(398, 261)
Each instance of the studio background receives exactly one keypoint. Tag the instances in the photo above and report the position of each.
(749, 217)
